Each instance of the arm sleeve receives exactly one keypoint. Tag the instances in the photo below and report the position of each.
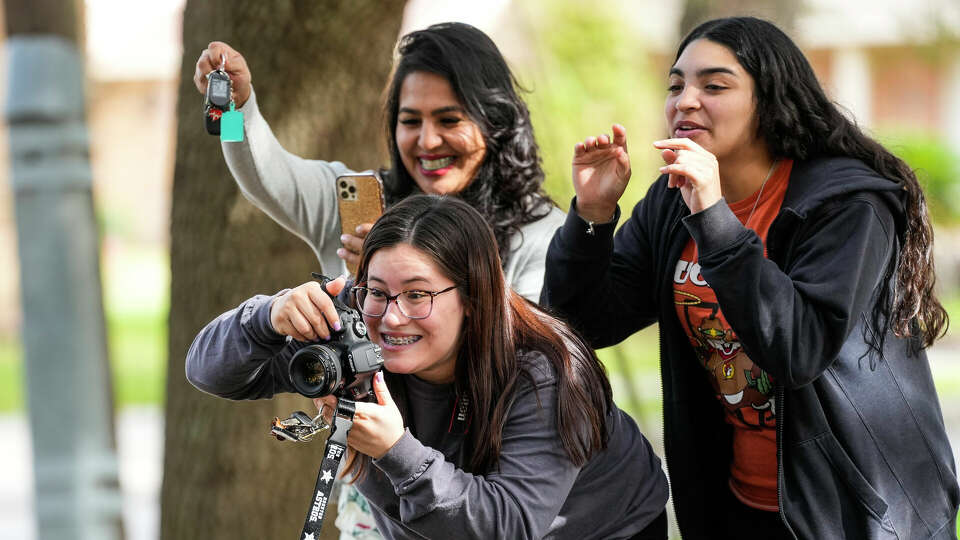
(238, 355)
(793, 321)
(519, 500)
(299, 194)
(602, 283)
(525, 267)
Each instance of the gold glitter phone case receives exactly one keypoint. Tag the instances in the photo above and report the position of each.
(360, 199)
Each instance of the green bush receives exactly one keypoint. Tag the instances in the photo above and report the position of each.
(937, 168)
(588, 69)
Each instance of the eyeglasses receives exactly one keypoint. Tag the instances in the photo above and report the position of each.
(413, 304)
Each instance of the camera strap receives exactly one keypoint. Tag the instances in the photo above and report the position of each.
(333, 452)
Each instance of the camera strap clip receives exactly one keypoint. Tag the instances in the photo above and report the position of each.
(332, 454)
(298, 427)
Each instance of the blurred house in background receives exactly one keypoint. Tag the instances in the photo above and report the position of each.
(894, 64)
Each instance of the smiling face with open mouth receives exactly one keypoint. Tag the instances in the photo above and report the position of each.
(425, 347)
(440, 145)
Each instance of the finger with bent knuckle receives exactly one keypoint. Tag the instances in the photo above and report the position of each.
(301, 325)
(311, 315)
(325, 308)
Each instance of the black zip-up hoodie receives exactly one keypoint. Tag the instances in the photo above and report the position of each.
(862, 448)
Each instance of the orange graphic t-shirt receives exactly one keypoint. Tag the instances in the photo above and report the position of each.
(745, 390)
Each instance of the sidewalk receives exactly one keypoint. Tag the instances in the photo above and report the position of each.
(140, 446)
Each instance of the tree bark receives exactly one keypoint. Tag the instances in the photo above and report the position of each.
(318, 69)
(62, 18)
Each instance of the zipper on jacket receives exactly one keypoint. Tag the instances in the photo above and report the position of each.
(783, 515)
(663, 409)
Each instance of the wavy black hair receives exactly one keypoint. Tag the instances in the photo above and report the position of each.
(796, 120)
(508, 186)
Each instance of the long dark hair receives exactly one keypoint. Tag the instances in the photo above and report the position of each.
(797, 121)
(498, 326)
(508, 186)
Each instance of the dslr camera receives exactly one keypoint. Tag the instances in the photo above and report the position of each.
(344, 366)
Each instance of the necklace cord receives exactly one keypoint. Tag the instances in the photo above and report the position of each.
(773, 166)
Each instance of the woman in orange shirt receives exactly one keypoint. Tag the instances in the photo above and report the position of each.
(786, 257)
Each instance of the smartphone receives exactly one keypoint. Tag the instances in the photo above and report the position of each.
(360, 200)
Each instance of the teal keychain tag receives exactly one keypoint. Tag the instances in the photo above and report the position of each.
(231, 125)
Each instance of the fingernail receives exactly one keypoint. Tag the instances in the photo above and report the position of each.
(336, 326)
(379, 376)
(342, 253)
(344, 238)
(359, 228)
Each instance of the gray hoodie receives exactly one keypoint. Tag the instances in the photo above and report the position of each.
(418, 490)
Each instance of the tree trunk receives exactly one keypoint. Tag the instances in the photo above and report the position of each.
(318, 69)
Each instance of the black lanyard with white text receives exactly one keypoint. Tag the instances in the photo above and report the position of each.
(333, 452)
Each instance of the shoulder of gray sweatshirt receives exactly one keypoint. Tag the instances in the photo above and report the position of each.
(418, 490)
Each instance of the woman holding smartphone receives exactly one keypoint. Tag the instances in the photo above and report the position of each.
(786, 257)
(547, 453)
(455, 124)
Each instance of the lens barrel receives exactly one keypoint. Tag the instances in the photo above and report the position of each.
(315, 370)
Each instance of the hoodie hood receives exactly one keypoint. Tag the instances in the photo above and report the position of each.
(817, 181)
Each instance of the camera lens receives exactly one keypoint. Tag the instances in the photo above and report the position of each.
(315, 370)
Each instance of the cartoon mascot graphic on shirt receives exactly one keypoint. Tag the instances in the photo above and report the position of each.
(740, 383)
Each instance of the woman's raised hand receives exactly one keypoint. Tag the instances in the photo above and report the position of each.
(307, 313)
(601, 170)
(692, 169)
(236, 67)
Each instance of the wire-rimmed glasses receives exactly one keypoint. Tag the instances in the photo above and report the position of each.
(414, 304)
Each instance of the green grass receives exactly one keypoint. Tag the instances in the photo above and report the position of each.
(136, 298)
(138, 358)
(11, 375)
(136, 286)
(634, 370)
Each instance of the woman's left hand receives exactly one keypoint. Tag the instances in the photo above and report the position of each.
(692, 169)
(376, 426)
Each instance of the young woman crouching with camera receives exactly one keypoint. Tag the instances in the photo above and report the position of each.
(544, 451)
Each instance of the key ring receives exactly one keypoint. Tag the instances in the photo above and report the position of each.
(223, 66)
